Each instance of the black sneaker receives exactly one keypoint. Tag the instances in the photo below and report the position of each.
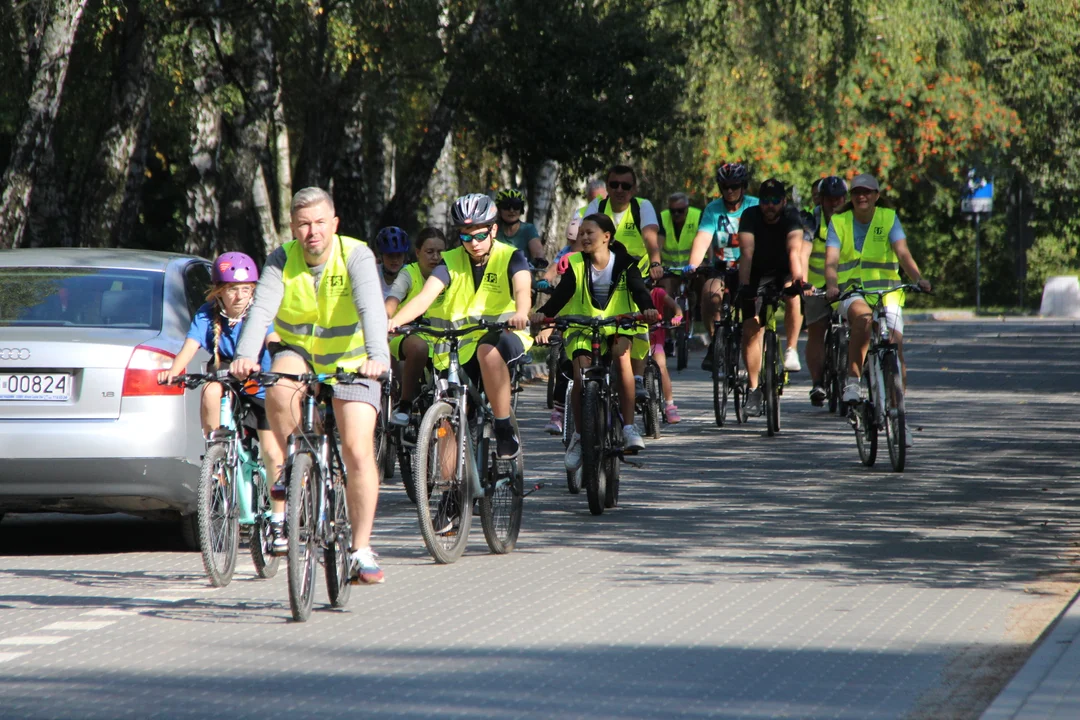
(817, 395)
(447, 517)
(507, 446)
(280, 544)
(706, 362)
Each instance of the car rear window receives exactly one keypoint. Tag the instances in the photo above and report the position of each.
(80, 297)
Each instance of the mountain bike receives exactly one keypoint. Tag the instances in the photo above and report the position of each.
(233, 493)
(773, 376)
(836, 361)
(456, 463)
(651, 407)
(882, 405)
(316, 514)
(601, 431)
(386, 448)
(404, 437)
(686, 299)
(728, 380)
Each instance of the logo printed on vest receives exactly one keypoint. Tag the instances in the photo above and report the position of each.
(336, 286)
(491, 278)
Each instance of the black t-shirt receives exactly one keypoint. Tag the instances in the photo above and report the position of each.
(770, 241)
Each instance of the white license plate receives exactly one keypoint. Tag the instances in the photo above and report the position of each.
(55, 387)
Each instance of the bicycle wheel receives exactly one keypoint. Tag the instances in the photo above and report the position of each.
(443, 506)
(594, 439)
(219, 521)
(408, 479)
(652, 401)
(865, 428)
(573, 477)
(501, 505)
(382, 440)
(720, 383)
(841, 368)
(682, 347)
(261, 543)
(303, 535)
(768, 383)
(613, 467)
(336, 554)
(895, 416)
(552, 371)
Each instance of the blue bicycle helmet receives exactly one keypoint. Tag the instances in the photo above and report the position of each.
(392, 240)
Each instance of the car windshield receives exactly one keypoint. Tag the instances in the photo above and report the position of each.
(80, 297)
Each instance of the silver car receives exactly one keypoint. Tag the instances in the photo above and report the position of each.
(84, 426)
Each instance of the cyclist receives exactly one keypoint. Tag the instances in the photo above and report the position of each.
(866, 246)
(718, 230)
(668, 308)
(481, 280)
(321, 291)
(392, 244)
(602, 280)
(678, 228)
(771, 240)
(413, 350)
(216, 328)
(512, 231)
(832, 192)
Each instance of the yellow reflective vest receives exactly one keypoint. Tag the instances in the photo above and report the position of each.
(417, 284)
(322, 326)
(815, 274)
(676, 250)
(877, 266)
(462, 303)
(619, 303)
(628, 233)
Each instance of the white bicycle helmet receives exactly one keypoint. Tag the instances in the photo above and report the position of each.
(473, 210)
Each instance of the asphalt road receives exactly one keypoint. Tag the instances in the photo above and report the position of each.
(742, 576)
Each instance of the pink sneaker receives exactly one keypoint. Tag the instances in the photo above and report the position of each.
(672, 414)
(554, 426)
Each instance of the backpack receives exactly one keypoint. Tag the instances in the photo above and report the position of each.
(635, 211)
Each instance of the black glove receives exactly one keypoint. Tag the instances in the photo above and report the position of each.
(539, 263)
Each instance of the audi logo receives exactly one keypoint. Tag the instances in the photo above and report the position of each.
(14, 354)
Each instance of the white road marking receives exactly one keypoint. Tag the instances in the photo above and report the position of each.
(34, 640)
(5, 656)
(79, 625)
(108, 612)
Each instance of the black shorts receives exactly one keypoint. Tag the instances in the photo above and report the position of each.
(507, 343)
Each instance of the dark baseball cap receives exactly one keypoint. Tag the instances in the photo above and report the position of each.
(772, 188)
(867, 182)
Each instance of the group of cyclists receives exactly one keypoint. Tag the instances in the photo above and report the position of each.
(327, 303)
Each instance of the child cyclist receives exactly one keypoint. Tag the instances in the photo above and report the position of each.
(216, 328)
(602, 280)
(392, 244)
(668, 308)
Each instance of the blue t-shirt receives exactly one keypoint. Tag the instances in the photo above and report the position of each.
(896, 234)
(716, 219)
(202, 332)
(520, 240)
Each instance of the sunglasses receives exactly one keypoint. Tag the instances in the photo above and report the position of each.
(772, 200)
(726, 188)
(514, 205)
(478, 237)
(616, 185)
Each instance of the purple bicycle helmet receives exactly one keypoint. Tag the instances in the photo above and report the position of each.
(392, 240)
(234, 267)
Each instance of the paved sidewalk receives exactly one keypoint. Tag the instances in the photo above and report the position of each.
(1048, 686)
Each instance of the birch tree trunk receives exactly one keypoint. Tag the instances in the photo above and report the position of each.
(260, 194)
(542, 186)
(443, 187)
(35, 134)
(48, 223)
(282, 164)
(203, 218)
(402, 208)
(117, 172)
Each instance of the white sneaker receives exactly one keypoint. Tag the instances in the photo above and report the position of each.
(573, 453)
(632, 438)
(852, 391)
(791, 360)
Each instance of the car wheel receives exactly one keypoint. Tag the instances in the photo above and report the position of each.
(189, 531)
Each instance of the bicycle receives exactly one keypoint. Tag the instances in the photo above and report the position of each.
(686, 299)
(836, 361)
(601, 421)
(456, 463)
(385, 439)
(554, 346)
(728, 379)
(651, 407)
(233, 494)
(316, 514)
(882, 404)
(404, 437)
(773, 376)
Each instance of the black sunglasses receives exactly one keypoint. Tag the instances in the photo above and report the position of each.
(616, 185)
(772, 200)
(512, 205)
(725, 188)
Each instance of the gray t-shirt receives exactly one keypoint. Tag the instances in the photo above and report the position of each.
(402, 286)
(366, 292)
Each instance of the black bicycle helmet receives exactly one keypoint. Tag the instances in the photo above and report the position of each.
(473, 210)
(833, 186)
(732, 174)
(509, 194)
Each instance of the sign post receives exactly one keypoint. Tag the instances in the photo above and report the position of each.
(978, 200)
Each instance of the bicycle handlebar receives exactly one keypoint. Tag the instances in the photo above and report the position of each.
(564, 321)
(859, 290)
(268, 379)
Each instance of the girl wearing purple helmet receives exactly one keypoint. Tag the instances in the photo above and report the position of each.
(215, 328)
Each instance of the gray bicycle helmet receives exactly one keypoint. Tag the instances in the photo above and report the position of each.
(732, 174)
(473, 210)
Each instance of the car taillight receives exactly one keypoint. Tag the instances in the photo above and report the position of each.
(140, 378)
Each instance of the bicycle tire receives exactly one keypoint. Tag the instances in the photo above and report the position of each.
(261, 543)
(895, 415)
(303, 540)
(841, 368)
(653, 390)
(573, 477)
(719, 375)
(552, 369)
(865, 430)
(408, 477)
(613, 467)
(768, 382)
(382, 441)
(218, 518)
(336, 554)
(593, 442)
(682, 348)
(440, 488)
(501, 506)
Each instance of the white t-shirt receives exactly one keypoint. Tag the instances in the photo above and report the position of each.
(648, 213)
(601, 280)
